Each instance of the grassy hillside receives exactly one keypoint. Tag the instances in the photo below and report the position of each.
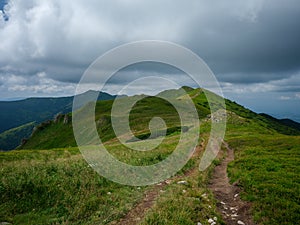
(12, 138)
(57, 135)
(267, 167)
(286, 122)
(15, 114)
(56, 186)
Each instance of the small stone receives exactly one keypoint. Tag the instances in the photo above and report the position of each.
(213, 223)
(109, 193)
(236, 195)
(210, 220)
(223, 203)
(183, 191)
(240, 222)
(209, 206)
(182, 182)
(234, 215)
(204, 195)
(199, 223)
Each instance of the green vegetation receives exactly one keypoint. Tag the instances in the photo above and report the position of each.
(50, 135)
(185, 204)
(56, 186)
(19, 113)
(267, 167)
(60, 135)
(12, 138)
(264, 121)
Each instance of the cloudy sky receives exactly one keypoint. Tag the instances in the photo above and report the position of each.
(252, 46)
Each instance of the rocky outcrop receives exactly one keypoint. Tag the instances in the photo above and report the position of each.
(66, 119)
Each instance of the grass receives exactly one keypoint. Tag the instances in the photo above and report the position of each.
(185, 204)
(12, 138)
(56, 186)
(267, 167)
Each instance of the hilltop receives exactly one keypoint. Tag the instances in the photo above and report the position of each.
(57, 134)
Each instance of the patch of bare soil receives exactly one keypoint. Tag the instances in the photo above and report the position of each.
(136, 214)
(232, 208)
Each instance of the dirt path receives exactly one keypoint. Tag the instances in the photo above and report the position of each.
(136, 214)
(232, 208)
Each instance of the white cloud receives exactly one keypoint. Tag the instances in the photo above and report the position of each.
(36, 85)
(249, 10)
(284, 98)
(290, 84)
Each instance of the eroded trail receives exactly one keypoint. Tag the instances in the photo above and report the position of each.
(136, 214)
(232, 208)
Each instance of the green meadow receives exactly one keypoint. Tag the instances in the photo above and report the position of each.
(47, 181)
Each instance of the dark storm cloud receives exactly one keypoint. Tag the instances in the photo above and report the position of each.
(265, 48)
(243, 42)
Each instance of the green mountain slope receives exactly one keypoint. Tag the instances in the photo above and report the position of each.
(18, 113)
(59, 135)
(286, 122)
(10, 139)
(267, 168)
(56, 186)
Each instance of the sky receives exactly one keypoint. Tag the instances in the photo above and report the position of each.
(252, 46)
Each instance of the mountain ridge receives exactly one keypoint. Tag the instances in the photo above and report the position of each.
(14, 114)
(61, 135)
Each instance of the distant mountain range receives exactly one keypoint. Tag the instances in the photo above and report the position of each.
(287, 122)
(17, 118)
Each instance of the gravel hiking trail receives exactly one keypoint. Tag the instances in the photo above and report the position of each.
(229, 204)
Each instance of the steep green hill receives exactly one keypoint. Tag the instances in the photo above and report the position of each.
(58, 135)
